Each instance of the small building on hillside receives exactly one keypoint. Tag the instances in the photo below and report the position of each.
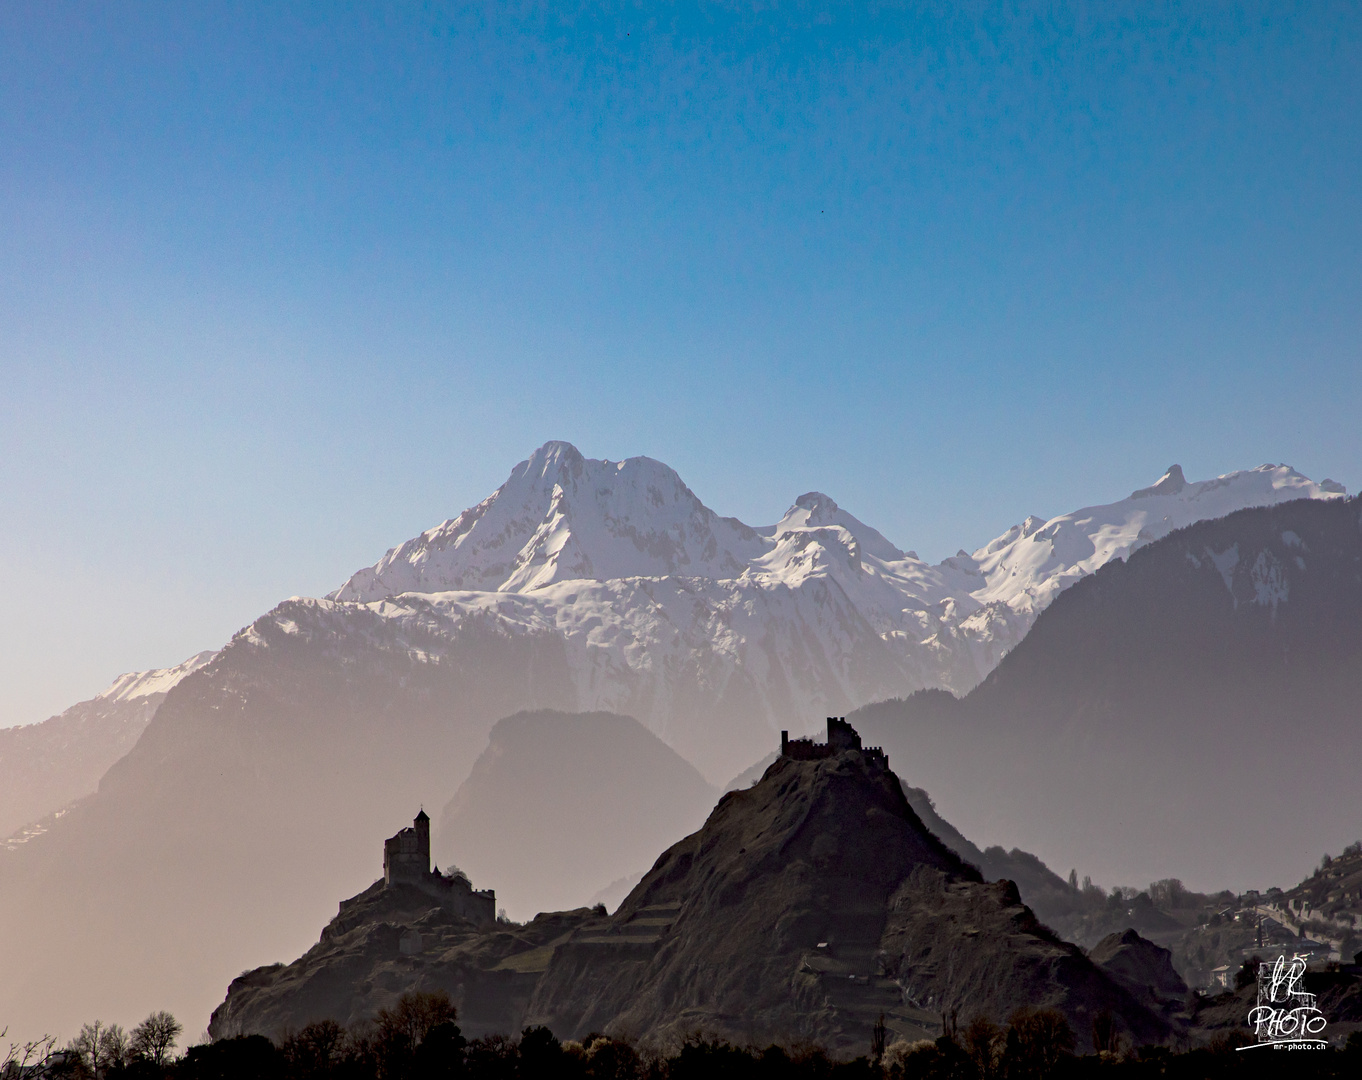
(406, 862)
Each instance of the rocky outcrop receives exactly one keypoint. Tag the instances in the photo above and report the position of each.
(1142, 967)
(385, 941)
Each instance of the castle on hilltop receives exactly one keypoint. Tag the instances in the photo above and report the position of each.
(841, 736)
(406, 861)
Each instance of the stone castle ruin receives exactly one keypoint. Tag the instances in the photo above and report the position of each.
(841, 736)
(406, 861)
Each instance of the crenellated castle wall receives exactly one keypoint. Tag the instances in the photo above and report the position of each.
(841, 736)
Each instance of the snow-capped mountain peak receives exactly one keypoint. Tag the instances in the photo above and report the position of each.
(561, 516)
(814, 510)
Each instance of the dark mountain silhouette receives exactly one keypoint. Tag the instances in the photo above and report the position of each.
(560, 805)
(1184, 713)
(806, 907)
(1042, 890)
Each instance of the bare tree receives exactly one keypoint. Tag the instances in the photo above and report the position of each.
(411, 1019)
(316, 1049)
(1038, 1040)
(89, 1046)
(401, 1030)
(984, 1042)
(115, 1049)
(155, 1037)
(21, 1056)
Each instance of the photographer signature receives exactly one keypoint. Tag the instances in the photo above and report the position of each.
(1285, 1016)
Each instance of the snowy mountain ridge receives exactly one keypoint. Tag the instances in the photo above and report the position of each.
(143, 684)
(1033, 562)
(663, 606)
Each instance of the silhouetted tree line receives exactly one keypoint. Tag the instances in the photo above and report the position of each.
(419, 1039)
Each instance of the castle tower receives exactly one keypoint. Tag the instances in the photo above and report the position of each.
(422, 826)
(406, 856)
(841, 735)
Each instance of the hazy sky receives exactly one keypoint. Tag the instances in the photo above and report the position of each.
(282, 285)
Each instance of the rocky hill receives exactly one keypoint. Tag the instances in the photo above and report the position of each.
(806, 907)
(388, 940)
(1329, 901)
(1143, 968)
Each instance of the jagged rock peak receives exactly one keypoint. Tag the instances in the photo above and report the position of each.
(1170, 483)
(816, 502)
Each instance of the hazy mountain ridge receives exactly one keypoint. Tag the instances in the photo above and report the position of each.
(45, 766)
(561, 805)
(259, 791)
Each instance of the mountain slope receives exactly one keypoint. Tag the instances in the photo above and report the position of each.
(45, 766)
(258, 793)
(1200, 702)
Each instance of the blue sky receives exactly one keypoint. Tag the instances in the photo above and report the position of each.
(281, 285)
